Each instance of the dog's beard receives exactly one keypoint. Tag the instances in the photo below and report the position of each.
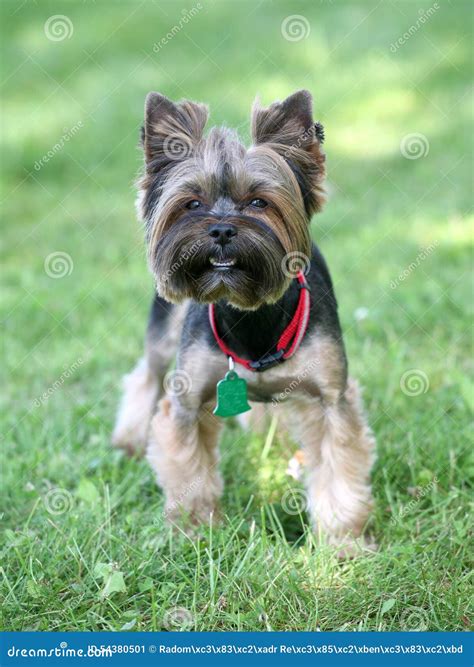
(183, 268)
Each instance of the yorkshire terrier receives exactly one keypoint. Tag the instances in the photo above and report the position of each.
(239, 283)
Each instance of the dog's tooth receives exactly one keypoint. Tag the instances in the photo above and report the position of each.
(222, 263)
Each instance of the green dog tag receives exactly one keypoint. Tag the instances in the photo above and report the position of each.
(231, 396)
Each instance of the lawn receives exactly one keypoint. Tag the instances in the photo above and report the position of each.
(84, 544)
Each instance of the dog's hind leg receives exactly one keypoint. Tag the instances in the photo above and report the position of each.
(144, 385)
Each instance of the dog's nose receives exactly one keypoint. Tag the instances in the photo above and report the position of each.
(222, 232)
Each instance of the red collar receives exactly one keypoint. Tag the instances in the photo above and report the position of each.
(289, 340)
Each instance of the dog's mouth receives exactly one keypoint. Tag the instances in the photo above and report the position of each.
(246, 271)
(222, 264)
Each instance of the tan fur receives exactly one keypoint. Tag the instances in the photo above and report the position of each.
(326, 417)
(339, 453)
(136, 407)
(183, 441)
(255, 420)
(185, 459)
(285, 167)
(143, 386)
(283, 135)
(286, 129)
(255, 174)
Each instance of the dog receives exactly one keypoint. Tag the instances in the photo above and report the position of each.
(239, 282)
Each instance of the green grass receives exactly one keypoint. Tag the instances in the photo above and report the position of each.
(259, 570)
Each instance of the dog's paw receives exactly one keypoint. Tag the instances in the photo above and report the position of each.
(193, 522)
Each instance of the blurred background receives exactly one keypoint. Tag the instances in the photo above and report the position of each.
(391, 84)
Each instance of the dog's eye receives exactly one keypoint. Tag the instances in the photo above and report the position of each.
(258, 203)
(193, 204)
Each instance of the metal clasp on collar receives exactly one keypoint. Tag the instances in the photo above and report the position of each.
(268, 361)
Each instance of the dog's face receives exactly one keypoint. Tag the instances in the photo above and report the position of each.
(221, 219)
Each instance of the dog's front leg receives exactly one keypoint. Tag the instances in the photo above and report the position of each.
(184, 455)
(339, 453)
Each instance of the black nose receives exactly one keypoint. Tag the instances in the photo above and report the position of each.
(222, 232)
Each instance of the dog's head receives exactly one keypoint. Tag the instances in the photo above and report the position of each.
(223, 221)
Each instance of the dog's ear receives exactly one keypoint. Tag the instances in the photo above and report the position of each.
(288, 129)
(288, 123)
(171, 130)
